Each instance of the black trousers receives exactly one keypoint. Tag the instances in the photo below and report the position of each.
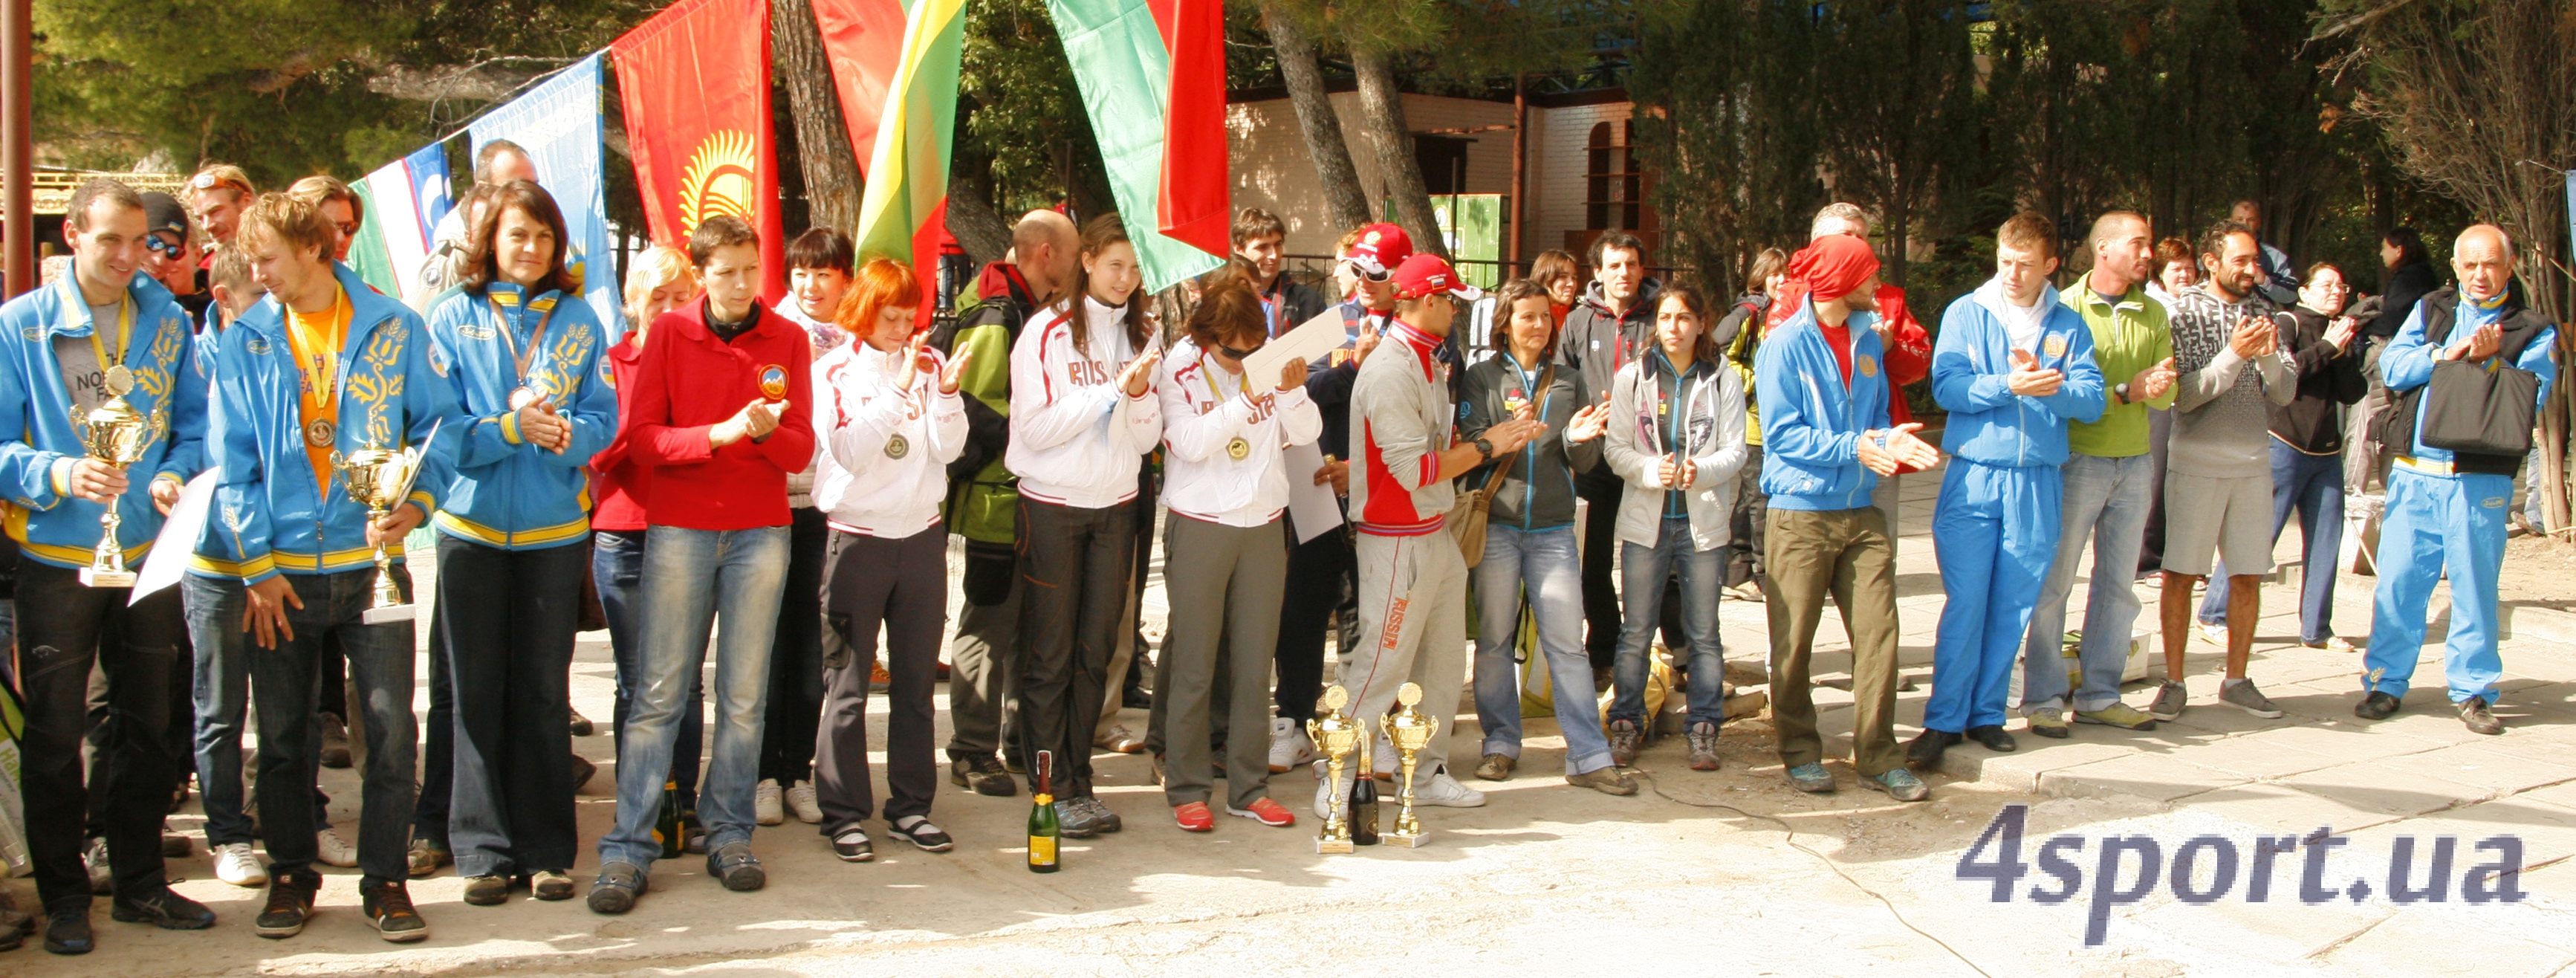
(505, 623)
(902, 585)
(1321, 580)
(1601, 611)
(795, 710)
(1074, 565)
(63, 627)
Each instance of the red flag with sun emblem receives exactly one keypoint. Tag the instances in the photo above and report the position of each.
(694, 82)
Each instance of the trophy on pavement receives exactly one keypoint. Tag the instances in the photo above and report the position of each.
(1409, 730)
(116, 434)
(1337, 735)
(379, 479)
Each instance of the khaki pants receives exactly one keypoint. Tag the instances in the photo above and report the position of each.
(1413, 628)
(1848, 556)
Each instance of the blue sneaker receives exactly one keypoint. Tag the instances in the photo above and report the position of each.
(1812, 778)
(1900, 784)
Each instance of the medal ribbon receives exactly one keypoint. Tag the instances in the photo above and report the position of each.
(510, 333)
(320, 348)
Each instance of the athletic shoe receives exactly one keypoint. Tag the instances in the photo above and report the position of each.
(1496, 767)
(235, 865)
(983, 773)
(1266, 812)
(1623, 743)
(1120, 740)
(1383, 762)
(1194, 817)
(1329, 788)
(335, 742)
(737, 867)
(1075, 820)
(1606, 780)
(2212, 634)
(425, 857)
(550, 884)
(2336, 643)
(918, 831)
(1900, 784)
(388, 906)
(1703, 746)
(487, 891)
(290, 904)
(767, 806)
(1289, 745)
(2243, 696)
(2376, 706)
(1812, 778)
(853, 846)
(1445, 791)
(800, 799)
(1994, 737)
(2480, 720)
(582, 771)
(67, 931)
(2170, 700)
(1925, 750)
(2048, 721)
(1101, 816)
(2118, 714)
(333, 850)
(165, 910)
(615, 890)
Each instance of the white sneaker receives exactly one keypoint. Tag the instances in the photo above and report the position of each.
(800, 799)
(334, 850)
(1328, 788)
(1446, 792)
(1289, 746)
(2212, 634)
(764, 803)
(235, 865)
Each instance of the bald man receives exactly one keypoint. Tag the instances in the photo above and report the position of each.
(2446, 507)
(982, 496)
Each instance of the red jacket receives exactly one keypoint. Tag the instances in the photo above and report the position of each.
(619, 484)
(688, 381)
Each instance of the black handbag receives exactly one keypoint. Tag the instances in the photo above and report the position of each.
(2480, 409)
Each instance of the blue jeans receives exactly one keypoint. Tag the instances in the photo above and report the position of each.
(2312, 485)
(2106, 502)
(1543, 566)
(617, 569)
(222, 682)
(1641, 591)
(690, 576)
(380, 662)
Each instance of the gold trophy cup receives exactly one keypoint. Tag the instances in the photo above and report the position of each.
(1337, 735)
(379, 479)
(1409, 730)
(116, 434)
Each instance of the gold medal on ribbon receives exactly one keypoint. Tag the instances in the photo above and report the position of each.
(897, 447)
(1238, 449)
(118, 380)
(522, 397)
(319, 432)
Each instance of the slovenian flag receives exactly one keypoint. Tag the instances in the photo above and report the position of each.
(1152, 74)
(904, 212)
(404, 201)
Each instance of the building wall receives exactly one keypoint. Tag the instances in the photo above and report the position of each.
(1272, 169)
(1558, 141)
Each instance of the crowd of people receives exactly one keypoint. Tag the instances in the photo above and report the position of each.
(773, 488)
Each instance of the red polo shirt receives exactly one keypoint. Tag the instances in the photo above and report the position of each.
(686, 382)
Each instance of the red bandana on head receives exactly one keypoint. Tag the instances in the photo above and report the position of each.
(1833, 266)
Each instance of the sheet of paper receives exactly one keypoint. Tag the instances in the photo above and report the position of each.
(169, 557)
(1310, 506)
(1309, 341)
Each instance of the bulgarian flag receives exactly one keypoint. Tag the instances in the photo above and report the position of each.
(1152, 74)
(905, 211)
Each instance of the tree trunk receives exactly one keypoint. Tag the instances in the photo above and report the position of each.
(981, 230)
(832, 183)
(1345, 205)
(1382, 117)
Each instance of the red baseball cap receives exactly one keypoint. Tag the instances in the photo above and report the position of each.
(1380, 248)
(1428, 274)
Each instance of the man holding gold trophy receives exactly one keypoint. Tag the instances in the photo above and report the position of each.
(95, 371)
(326, 391)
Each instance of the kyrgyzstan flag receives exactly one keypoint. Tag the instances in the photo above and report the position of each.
(904, 214)
(1152, 74)
(694, 81)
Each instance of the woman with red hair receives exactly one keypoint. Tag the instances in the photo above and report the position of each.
(889, 419)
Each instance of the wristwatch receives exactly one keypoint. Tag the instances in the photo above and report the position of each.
(1486, 448)
(2121, 389)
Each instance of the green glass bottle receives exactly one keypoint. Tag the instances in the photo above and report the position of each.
(666, 829)
(1044, 831)
(1364, 809)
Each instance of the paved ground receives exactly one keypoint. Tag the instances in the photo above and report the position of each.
(1702, 872)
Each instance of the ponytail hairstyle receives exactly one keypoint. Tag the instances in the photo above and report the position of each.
(1097, 235)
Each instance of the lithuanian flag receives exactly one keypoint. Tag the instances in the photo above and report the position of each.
(905, 210)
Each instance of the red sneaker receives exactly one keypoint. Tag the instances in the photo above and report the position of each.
(1266, 812)
(1194, 817)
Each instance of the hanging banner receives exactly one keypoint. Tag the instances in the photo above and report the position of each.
(904, 211)
(694, 82)
(404, 200)
(558, 123)
(863, 39)
(1195, 204)
(1125, 73)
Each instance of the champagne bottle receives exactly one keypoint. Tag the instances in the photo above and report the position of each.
(1364, 808)
(1044, 832)
(666, 828)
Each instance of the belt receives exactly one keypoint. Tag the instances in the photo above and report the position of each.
(2412, 464)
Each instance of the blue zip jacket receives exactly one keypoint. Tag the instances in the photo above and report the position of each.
(49, 523)
(508, 493)
(1971, 364)
(1812, 421)
(2407, 363)
(271, 515)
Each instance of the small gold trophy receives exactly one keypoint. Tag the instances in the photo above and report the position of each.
(1410, 730)
(116, 434)
(1338, 736)
(379, 479)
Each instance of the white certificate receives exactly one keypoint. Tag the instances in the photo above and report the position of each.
(1309, 341)
(1311, 506)
(178, 538)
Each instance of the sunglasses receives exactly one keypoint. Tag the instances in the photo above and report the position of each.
(209, 181)
(154, 243)
(1236, 355)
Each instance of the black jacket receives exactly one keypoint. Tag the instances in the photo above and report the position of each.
(2328, 379)
(2407, 285)
(1596, 342)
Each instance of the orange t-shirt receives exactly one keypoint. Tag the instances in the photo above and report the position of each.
(317, 340)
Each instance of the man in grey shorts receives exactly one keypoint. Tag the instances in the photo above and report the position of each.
(2218, 480)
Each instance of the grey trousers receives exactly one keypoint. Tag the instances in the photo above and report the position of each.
(1225, 583)
(903, 585)
(1413, 623)
(983, 673)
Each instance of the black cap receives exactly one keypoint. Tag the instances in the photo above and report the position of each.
(161, 212)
